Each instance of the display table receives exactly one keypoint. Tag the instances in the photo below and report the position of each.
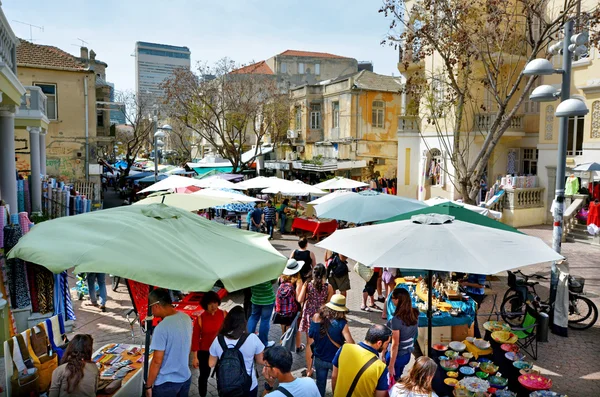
(132, 383)
(316, 227)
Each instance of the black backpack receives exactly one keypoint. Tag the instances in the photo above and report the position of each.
(338, 267)
(232, 378)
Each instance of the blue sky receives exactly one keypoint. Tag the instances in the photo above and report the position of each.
(243, 30)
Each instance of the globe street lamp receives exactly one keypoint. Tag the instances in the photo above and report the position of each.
(160, 133)
(571, 45)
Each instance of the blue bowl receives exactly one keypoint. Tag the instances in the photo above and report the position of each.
(484, 360)
(466, 370)
(441, 358)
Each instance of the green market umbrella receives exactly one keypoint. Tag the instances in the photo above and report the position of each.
(154, 244)
(460, 213)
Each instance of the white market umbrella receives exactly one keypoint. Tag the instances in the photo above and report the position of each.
(480, 210)
(216, 182)
(172, 182)
(436, 242)
(587, 167)
(293, 188)
(339, 182)
(187, 202)
(260, 182)
(367, 206)
(330, 196)
(240, 198)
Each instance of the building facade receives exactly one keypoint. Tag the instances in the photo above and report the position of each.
(154, 63)
(346, 126)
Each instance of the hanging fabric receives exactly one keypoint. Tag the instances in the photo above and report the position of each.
(69, 311)
(17, 276)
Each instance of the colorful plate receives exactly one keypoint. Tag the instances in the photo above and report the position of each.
(440, 347)
(467, 370)
(484, 360)
(474, 384)
(522, 365)
(535, 382)
(452, 374)
(505, 393)
(474, 364)
(451, 382)
(493, 326)
(443, 358)
(514, 356)
(449, 365)
(508, 347)
(467, 355)
(504, 337)
(457, 346)
(481, 344)
(489, 368)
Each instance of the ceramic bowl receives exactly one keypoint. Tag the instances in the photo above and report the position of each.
(522, 365)
(452, 374)
(462, 360)
(449, 365)
(443, 358)
(457, 346)
(535, 382)
(481, 344)
(482, 375)
(505, 393)
(504, 337)
(546, 393)
(489, 368)
(470, 339)
(467, 355)
(474, 364)
(440, 347)
(514, 356)
(484, 360)
(467, 370)
(451, 382)
(451, 354)
(498, 382)
(507, 347)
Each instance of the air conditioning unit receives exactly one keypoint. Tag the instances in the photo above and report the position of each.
(300, 149)
(291, 134)
(378, 161)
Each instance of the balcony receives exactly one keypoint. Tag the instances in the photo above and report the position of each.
(313, 136)
(12, 89)
(483, 122)
(408, 124)
(32, 110)
(524, 198)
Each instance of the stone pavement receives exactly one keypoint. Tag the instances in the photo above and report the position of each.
(572, 362)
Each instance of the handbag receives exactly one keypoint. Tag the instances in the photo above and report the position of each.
(108, 386)
(365, 272)
(39, 341)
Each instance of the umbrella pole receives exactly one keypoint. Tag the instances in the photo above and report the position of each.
(429, 311)
(147, 343)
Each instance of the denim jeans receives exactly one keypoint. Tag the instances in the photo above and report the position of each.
(171, 389)
(270, 227)
(92, 278)
(322, 369)
(400, 363)
(254, 228)
(262, 313)
(282, 220)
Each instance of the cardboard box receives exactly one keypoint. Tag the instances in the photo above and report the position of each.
(460, 332)
(438, 335)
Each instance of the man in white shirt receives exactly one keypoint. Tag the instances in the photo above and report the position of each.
(278, 366)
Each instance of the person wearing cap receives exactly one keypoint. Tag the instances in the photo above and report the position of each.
(329, 330)
(286, 300)
(358, 370)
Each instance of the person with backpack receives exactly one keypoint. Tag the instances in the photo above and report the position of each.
(302, 254)
(286, 301)
(278, 366)
(234, 353)
(337, 274)
(358, 370)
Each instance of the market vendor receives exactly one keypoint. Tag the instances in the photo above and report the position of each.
(474, 286)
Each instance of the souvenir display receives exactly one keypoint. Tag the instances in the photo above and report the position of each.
(494, 326)
(451, 354)
(474, 384)
(467, 370)
(452, 374)
(498, 382)
(449, 365)
(440, 347)
(489, 367)
(535, 382)
(451, 382)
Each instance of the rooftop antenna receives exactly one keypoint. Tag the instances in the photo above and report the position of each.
(83, 42)
(30, 28)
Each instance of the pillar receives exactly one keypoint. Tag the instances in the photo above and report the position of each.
(43, 152)
(36, 184)
(8, 166)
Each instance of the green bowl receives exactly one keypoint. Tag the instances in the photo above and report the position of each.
(451, 354)
(482, 375)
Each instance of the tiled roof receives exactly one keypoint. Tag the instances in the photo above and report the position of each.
(367, 80)
(256, 68)
(30, 54)
(295, 53)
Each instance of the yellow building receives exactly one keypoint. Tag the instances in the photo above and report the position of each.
(345, 126)
(70, 85)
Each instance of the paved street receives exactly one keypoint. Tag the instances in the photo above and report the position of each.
(571, 362)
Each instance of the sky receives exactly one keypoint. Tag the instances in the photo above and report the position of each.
(243, 30)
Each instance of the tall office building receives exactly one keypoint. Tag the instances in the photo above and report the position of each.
(155, 63)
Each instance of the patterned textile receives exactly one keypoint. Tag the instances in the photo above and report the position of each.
(2, 215)
(238, 207)
(21, 195)
(314, 300)
(70, 312)
(17, 276)
(58, 299)
(44, 281)
(4, 288)
(24, 222)
(33, 286)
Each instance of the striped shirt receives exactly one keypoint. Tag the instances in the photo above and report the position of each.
(269, 214)
(263, 294)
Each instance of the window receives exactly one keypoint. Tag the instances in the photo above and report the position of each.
(377, 118)
(99, 118)
(438, 93)
(575, 136)
(51, 104)
(531, 107)
(283, 67)
(317, 68)
(530, 157)
(300, 68)
(298, 118)
(315, 116)
(335, 111)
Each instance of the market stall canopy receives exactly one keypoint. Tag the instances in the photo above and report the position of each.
(260, 182)
(293, 188)
(330, 196)
(480, 210)
(587, 167)
(172, 182)
(186, 202)
(150, 178)
(339, 182)
(133, 175)
(153, 244)
(459, 213)
(367, 206)
(216, 182)
(238, 196)
(440, 243)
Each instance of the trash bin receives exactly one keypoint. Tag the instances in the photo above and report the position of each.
(542, 327)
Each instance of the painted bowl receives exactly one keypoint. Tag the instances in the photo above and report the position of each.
(440, 347)
(474, 364)
(484, 360)
(508, 347)
(451, 382)
(467, 370)
(498, 382)
(443, 358)
(514, 356)
(449, 365)
(505, 393)
(504, 337)
(481, 344)
(452, 374)
(462, 360)
(489, 368)
(494, 326)
(457, 346)
(451, 354)
(522, 365)
(535, 382)
(467, 355)
(470, 339)
(482, 375)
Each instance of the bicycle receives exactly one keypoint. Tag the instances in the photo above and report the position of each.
(583, 313)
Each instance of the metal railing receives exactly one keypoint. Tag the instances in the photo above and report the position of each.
(8, 43)
(483, 122)
(524, 198)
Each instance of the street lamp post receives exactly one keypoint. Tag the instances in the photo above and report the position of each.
(160, 133)
(571, 44)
